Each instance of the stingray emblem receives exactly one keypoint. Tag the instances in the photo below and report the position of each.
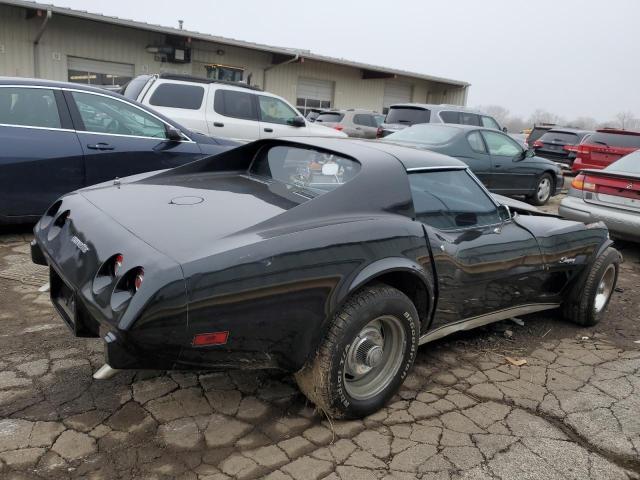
(568, 260)
(80, 244)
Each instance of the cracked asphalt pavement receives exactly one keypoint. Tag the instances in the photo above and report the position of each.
(465, 412)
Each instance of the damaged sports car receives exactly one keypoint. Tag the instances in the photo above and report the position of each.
(332, 259)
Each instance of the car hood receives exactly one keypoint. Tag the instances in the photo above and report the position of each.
(320, 130)
(394, 126)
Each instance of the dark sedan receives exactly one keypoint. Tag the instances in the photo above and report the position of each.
(559, 144)
(333, 259)
(58, 137)
(499, 161)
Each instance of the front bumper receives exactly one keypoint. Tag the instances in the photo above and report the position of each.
(621, 223)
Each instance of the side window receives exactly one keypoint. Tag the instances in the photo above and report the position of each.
(31, 107)
(102, 114)
(450, 117)
(451, 200)
(501, 145)
(489, 122)
(469, 119)
(476, 143)
(175, 95)
(235, 104)
(274, 110)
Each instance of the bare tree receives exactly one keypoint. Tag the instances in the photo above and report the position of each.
(542, 116)
(585, 123)
(498, 112)
(624, 119)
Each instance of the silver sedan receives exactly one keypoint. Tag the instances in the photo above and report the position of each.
(611, 195)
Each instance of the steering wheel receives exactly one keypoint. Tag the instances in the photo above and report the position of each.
(113, 126)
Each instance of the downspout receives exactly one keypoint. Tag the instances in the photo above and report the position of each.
(264, 71)
(36, 41)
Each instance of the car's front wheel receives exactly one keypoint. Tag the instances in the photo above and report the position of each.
(589, 303)
(543, 190)
(365, 356)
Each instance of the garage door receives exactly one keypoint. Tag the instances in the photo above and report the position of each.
(98, 72)
(313, 94)
(396, 92)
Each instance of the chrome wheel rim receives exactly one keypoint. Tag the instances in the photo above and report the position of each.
(544, 189)
(374, 357)
(605, 288)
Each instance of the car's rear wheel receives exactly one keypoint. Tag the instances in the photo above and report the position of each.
(366, 354)
(590, 302)
(543, 190)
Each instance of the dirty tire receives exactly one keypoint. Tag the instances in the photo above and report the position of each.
(582, 308)
(322, 380)
(535, 198)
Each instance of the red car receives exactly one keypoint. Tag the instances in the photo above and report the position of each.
(604, 147)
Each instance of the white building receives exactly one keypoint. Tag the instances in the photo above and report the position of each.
(39, 40)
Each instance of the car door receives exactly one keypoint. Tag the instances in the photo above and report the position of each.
(365, 125)
(276, 118)
(483, 263)
(233, 114)
(119, 138)
(509, 174)
(474, 153)
(40, 155)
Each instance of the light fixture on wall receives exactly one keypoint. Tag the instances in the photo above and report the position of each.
(220, 51)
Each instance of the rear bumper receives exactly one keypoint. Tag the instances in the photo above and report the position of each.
(621, 223)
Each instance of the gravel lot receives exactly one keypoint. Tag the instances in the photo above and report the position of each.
(572, 411)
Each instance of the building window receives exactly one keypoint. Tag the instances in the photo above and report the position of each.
(95, 78)
(306, 105)
(224, 72)
(98, 72)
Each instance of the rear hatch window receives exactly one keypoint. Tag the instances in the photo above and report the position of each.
(306, 171)
(329, 117)
(607, 139)
(408, 115)
(558, 137)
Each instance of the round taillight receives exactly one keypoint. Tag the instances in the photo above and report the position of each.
(117, 263)
(139, 278)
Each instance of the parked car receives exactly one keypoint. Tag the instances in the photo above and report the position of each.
(604, 147)
(501, 163)
(537, 131)
(611, 195)
(310, 255)
(406, 114)
(354, 122)
(58, 137)
(228, 109)
(559, 144)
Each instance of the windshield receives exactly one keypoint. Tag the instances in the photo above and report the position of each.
(429, 134)
(628, 164)
(556, 136)
(314, 171)
(407, 115)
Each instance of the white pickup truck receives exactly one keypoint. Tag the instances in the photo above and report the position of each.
(223, 109)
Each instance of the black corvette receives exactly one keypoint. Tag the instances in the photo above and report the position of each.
(333, 259)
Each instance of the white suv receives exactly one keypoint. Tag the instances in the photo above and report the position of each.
(222, 109)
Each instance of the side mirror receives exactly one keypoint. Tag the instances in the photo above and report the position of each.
(505, 129)
(174, 134)
(297, 122)
(504, 213)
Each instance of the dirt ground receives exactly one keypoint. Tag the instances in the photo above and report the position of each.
(572, 411)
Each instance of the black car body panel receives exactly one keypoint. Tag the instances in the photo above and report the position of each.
(224, 251)
(553, 144)
(44, 158)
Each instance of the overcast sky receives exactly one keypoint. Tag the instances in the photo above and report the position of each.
(571, 57)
